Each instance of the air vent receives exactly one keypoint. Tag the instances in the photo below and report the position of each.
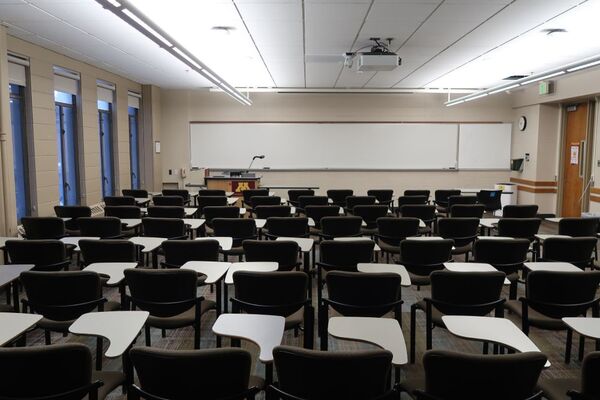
(515, 77)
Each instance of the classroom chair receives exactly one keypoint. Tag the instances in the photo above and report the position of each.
(424, 212)
(391, 231)
(119, 201)
(183, 193)
(462, 230)
(417, 192)
(249, 193)
(461, 199)
(318, 212)
(43, 227)
(491, 200)
(370, 215)
(294, 194)
(276, 293)
(187, 374)
(178, 252)
(552, 295)
(520, 211)
(100, 251)
(584, 387)
(169, 295)
(265, 212)
(212, 212)
(467, 211)
(46, 255)
(204, 201)
(73, 212)
(283, 252)
(441, 199)
(454, 375)
(521, 228)
(102, 227)
(332, 227)
(577, 251)
(168, 228)
(357, 374)
(353, 201)
(422, 257)
(135, 193)
(338, 196)
(174, 201)
(166, 212)
(211, 192)
(305, 201)
(383, 196)
(287, 227)
(409, 200)
(457, 293)
(239, 229)
(122, 212)
(55, 372)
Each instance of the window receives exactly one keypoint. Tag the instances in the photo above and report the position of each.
(19, 139)
(66, 130)
(134, 158)
(106, 146)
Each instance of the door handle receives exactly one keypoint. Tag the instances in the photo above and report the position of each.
(582, 158)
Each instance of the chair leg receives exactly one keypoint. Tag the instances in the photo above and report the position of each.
(47, 337)
(309, 327)
(163, 333)
(486, 347)
(568, 347)
(413, 323)
(99, 345)
(512, 295)
(147, 334)
(322, 328)
(581, 347)
(428, 330)
(197, 336)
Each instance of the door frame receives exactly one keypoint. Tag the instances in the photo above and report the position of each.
(588, 153)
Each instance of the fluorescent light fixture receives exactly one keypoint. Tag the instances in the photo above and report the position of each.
(477, 97)
(503, 89)
(134, 17)
(355, 90)
(541, 78)
(455, 102)
(114, 3)
(584, 66)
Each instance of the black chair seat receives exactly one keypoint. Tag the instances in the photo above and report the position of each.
(369, 231)
(463, 249)
(535, 318)
(63, 326)
(294, 320)
(441, 209)
(424, 230)
(186, 318)
(419, 280)
(111, 379)
(388, 248)
(556, 388)
(234, 251)
(436, 315)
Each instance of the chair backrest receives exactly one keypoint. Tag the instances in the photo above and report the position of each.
(136, 193)
(239, 229)
(102, 227)
(421, 257)
(330, 375)
(383, 196)
(466, 293)
(525, 228)
(506, 255)
(462, 230)
(119, 201)
(317, 212)
(166, 212)
(561, 294)
(305, 201)
(178, 252)
(265, 212)
(590, 386)
(212, 212)
(451, 375)
(360, 294)
(46, 255)
(284, 252)
(73, 212)
(271, 293)
(43, 227)
(578, 227)
(417, 192)
(49, 292)
(211, 192)
(187, 374)
(338, 196)
(353, 201)
(96, 251)
(249, 193)
(46, 372)
(293, 194)
(256, 201)
(204, 201)
(341, 226)
(123, 211)
(490, 199)
(183, 193)
(467, 211)
(461, 199)
(370, 214)
(520, 211)
(342, 255)
(441, 195)
(393, 230)
(169, 228)
(578, 250)
(404, 200)
(424, 212)
(176, 201)
(287, 226)
(164, 292)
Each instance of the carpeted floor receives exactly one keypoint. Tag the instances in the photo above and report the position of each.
(551, 343)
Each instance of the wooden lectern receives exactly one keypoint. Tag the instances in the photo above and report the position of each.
(232, 183)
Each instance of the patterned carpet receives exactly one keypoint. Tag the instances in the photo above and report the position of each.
(551, 343)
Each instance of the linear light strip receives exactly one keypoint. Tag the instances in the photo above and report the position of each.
(563, 70)
(134, 17)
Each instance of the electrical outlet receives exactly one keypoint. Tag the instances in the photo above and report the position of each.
(170, 172)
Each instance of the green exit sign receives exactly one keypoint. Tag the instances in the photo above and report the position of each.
(545, 87)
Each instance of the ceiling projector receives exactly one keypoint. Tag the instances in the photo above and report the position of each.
(379, 58)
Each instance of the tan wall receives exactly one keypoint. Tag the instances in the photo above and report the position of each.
(179, 107)
(44, 131)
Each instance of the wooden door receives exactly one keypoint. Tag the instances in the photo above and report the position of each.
(574, 159)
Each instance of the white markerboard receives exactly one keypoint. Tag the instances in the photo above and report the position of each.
(484, 146)
(401, 146)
